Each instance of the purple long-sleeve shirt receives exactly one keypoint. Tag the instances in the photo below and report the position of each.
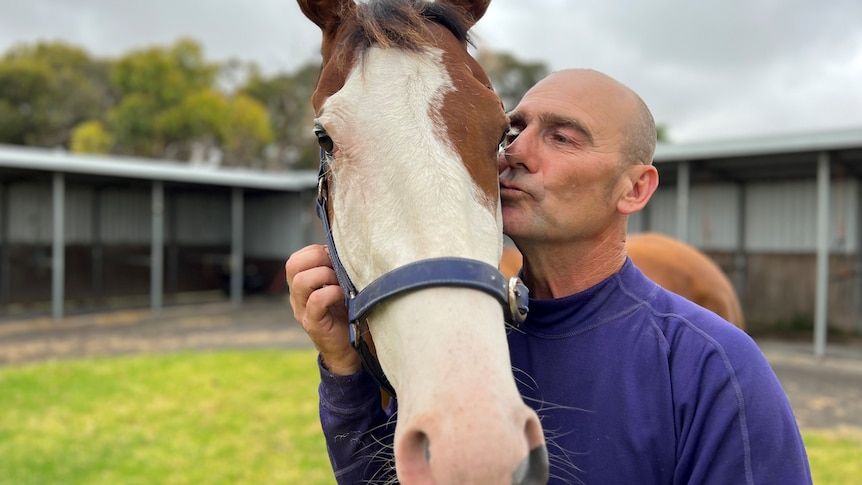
(633, 384)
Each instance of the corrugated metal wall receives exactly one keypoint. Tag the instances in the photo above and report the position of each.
(125, 216)
(201, 218)
(276, 224)
(29, 213)
(780, 216)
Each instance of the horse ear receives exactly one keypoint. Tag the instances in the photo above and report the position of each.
(326, 13)
(476, 8)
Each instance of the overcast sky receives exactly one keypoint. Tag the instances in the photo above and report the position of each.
(708, 69)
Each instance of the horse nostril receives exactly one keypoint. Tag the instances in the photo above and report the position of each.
(534, 469)
(417, 447)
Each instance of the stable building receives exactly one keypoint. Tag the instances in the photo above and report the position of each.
(93, 232)
(780, 214)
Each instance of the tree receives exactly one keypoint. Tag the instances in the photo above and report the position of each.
(287, 98)
(247, 131)
(510, 76)
(171, 108)
(48, 88)
(133, 125)
(192, 129)
(91, 137)
(165, 75)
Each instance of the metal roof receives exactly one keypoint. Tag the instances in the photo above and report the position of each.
(28, 158)
(41, 159)
(768, 145)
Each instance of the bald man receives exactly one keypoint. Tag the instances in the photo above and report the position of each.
(633, 384)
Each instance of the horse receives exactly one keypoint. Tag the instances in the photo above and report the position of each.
(673, 265)
(410, 128)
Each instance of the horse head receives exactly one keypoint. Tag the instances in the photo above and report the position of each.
(411, 127)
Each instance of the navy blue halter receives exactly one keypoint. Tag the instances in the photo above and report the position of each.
(427, 273)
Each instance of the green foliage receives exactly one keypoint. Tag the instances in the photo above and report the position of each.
(228, 417)
(247, 131)
(510, 76)
(91, 137)
(47, 89)
(168, 102)
(133, 124)
(164, 75)
(287, 98)
(200, 119)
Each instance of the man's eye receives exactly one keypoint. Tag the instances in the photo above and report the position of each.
(559, 138)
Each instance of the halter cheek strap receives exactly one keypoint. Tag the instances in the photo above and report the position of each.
(426, 273)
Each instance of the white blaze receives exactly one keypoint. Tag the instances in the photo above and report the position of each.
(401, 193)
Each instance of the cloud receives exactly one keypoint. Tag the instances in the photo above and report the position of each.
(707, 69)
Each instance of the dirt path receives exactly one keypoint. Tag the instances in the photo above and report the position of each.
(267, 323)
(824, 393)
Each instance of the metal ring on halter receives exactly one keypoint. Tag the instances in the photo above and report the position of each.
(320, 182)
(519, 300)
(354, 334)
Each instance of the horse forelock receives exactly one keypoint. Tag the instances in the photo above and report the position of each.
(404, 24)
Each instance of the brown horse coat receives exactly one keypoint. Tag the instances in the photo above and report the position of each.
(673, 265)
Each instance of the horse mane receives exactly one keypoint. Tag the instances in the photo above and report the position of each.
(402, 24)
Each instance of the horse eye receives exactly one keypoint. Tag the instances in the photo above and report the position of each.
(324, 140)
(325, 143)
(509, 136)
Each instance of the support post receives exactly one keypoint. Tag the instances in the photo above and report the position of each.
(173, 261)
(96, 248)
(740, 258)
(157, 249)
(683, 187)
(236, 246)
(58, 256)
(4, 243)
(822, 279)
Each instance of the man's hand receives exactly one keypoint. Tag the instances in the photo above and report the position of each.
(318, 304)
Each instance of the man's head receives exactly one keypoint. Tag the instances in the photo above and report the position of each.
(578, 160)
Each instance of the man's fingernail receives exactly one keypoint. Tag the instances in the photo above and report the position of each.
(326, 248)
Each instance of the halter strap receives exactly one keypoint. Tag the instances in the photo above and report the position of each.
(513, 295)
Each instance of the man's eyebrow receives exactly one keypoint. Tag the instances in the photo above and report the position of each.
(555, 120)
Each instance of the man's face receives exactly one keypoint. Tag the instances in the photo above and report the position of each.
(560, 173)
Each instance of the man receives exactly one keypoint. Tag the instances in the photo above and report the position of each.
(633, 384)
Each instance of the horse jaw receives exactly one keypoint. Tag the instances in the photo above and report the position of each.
(401, 193)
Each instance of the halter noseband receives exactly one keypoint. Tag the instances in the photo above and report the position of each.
(512, 294)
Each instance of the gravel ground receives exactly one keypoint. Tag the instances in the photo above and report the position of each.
(825, 393)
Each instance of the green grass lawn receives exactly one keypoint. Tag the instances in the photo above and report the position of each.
(203, 418)
(225, 417)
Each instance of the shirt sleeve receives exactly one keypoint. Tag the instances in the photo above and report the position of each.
(357, 429)
(734, 422)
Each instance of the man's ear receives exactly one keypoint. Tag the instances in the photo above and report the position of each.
(326, 13)
(640, 181)
(476, 8)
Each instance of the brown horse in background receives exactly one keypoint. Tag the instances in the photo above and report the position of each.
(673, 265)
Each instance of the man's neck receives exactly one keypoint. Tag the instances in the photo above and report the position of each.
(556, 270)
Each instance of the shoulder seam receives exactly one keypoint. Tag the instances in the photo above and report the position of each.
(743, 422)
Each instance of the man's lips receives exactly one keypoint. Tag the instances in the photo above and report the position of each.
(511, 188)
